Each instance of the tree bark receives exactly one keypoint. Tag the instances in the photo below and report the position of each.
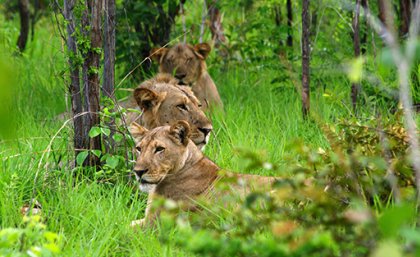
(355, 87)
(385, 14)
(74, 87)
(278, 20)
(305, 59)
(91, 77)
(109, 65)
(203, 21)
(109, 49)
(289, 23)
(405, 14)
(216, 27)
(24, 24)
(363, 38)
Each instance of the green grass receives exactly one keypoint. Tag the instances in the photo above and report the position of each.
(94, 218)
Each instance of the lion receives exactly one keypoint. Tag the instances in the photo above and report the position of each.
(162, 102)
(170, 165)
(188, 65)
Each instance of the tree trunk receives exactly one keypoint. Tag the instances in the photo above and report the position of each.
(363, 38)
(74, 87)
(278, 20)
(109, 49)
(109, 65)
(385, 14)
(355, 87)
(216, 27)
(91, 77)
(289, 23)
(305, 59)
(405, 13)
(203, 21)
(24, 24)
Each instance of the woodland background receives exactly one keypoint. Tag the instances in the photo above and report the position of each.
(349, 155)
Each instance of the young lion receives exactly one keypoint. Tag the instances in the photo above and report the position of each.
(162, 102)
(170, 165)
(188, 65)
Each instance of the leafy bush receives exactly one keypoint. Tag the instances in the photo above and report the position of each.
(337, 202)
(31, 240)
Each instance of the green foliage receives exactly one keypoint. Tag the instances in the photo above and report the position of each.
(338, 201)
(142, 25)
(334, 198)
(31, 240)
(114, 134)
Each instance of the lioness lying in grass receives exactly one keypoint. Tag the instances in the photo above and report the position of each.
(170, 165)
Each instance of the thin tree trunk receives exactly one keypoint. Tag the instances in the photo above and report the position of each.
(355, 87)
(74, 87)
(305, 59)
(24, 24)
(184, 25)
(109, 64)
(203, 21)
(385, 14)
(278, 20)
(109, 49)
(91, 78)
(363, 38)
(289, 23)
(216, 27)
(405, 13)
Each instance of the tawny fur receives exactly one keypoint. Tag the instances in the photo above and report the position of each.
(188, 64)
(159, 99)
(181, 172)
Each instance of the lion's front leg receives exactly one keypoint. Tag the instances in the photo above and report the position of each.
(138, 223)
(149, 217)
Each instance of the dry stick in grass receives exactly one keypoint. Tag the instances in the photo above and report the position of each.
(403, 62)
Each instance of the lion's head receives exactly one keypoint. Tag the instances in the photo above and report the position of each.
(161, 151)
(163, 102)
(184, 61)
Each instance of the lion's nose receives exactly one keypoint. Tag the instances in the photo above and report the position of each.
(180, 76)
(205, 131)
(140, 173)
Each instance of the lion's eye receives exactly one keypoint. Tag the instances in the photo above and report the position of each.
(182, 107)
(200, 105)
(138, 149)
(159, 149)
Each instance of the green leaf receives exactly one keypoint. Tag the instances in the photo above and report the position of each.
(356, 70)
(112, 161)
(106, 131)
(393, 219)
(118, 137)
(388, 248)
(94, 132)
(97, 153)
(81, 157)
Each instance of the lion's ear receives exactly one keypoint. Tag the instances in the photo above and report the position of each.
(137, 131)
(157, 53)
(147, 98)
(181, 131)
(203, 49)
